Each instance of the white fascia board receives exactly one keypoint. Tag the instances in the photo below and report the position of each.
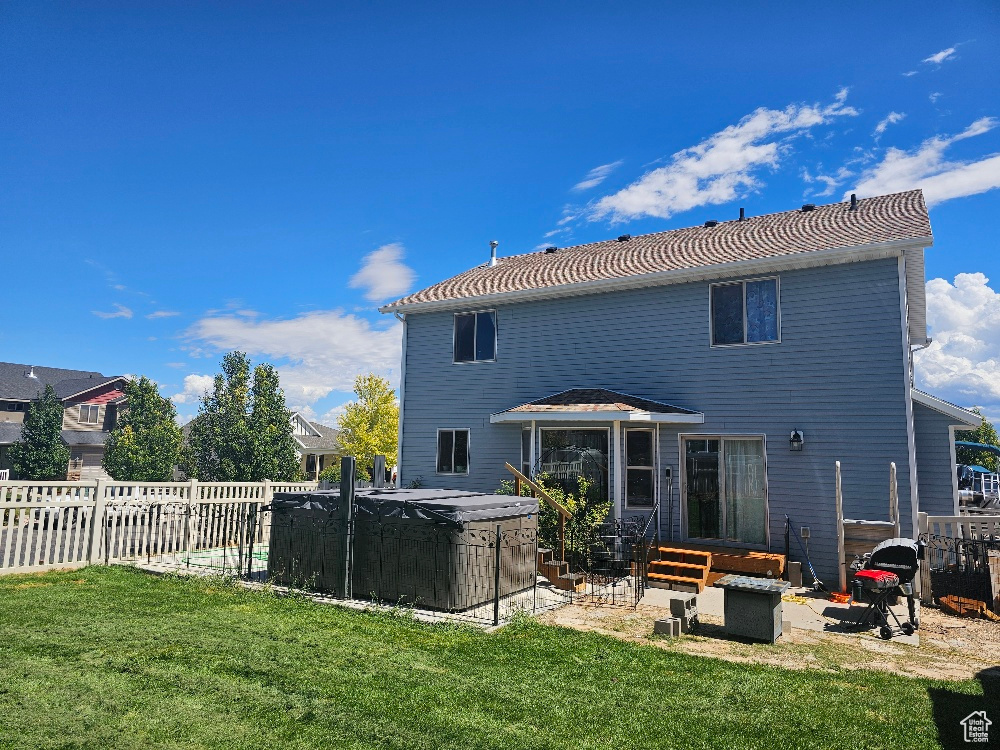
(94, 387)
(596, 416)
(832, 256)
(964, 416)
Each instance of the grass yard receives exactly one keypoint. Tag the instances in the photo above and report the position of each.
(115, 658)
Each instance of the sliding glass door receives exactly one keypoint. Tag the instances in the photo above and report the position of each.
(725, 487)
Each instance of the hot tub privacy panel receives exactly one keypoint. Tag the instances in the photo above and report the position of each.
(430, 548)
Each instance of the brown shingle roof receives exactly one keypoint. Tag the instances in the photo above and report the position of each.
(886, 218)
(597, 399)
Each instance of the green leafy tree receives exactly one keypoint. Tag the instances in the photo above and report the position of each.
(145, 445)
(589, 512)
(369, 427)
(243, 429)
(40, 454)
(987, 435)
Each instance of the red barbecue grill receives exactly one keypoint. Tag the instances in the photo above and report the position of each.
(884, 574)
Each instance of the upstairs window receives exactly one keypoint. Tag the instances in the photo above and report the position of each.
(89, 414)
(476, 336)
(453, 452)
(745, 312)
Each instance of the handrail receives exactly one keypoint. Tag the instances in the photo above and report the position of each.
(537, 489)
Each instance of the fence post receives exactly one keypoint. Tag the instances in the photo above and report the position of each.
(192, 503)
(496, 581)
(347, 476)
(925, 565)
(97, 523)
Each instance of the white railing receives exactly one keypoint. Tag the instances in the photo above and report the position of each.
(48, 525)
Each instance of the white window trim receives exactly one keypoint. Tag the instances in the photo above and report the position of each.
(90, 408)
(437, 456)
(743, 282)
(475, 335)
(652, 468)
(682, 470)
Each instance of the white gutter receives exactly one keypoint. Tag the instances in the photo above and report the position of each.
(832, 256)
(402, 386)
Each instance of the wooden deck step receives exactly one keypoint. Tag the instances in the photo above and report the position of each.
(675, 564)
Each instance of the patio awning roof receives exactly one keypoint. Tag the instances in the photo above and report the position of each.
(597, 405)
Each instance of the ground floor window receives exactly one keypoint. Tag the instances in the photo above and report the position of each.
(453, 452)
(567, 454)
(639, 469)
(725, 485)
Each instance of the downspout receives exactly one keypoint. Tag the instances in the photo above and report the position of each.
(402, 388)
(911, 443)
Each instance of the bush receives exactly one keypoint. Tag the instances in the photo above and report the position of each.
(588, 513)
(331, 474)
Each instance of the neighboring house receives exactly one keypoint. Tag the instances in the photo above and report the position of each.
(91, 402)
(317, 445)
(697, 352)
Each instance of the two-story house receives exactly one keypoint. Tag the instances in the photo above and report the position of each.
(90, 410)
(721, 369)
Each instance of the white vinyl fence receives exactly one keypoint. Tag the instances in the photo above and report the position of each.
(48, 525)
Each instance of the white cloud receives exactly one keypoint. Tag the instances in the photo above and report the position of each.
(382, 273)
(890, 119)
(162, 314)
(934, 96)
(316, 353)
(120, 311)
(963, 363)
(596, 176)
(910, 73)
(722, 167)
(330, 417)
(927, 168)
(939, 57)
(195, 386)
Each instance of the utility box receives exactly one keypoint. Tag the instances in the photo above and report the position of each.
(753, 607)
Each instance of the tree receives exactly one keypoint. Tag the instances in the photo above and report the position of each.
(243, 430)
(145, 445)
(987, 435)
(40, 454)
(369, 427)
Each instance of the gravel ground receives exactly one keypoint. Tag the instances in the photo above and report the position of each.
(950, 647)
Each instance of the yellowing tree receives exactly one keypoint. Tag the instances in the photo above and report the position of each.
(369, 426)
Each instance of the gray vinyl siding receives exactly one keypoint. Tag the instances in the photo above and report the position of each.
(934, 465)
(839, 375)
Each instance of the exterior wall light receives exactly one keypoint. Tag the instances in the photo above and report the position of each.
(796, 441)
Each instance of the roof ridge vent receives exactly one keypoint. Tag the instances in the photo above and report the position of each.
(551, 249)
(711, 223)
(624, 237)
(807, 207)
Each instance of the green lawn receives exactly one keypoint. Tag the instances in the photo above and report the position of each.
(114, 658)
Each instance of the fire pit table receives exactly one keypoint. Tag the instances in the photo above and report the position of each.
(753, 606)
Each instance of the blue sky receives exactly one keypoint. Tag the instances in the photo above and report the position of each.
(180, 179)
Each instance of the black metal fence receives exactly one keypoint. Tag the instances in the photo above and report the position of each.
(611, 558)
(960, 567)
(482, 575)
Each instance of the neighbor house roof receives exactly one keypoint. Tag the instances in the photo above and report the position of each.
(597, 404)
(325, 441)
(15, 382)
(84, 437)
(67, 388)
(882, 222)
(10, 432)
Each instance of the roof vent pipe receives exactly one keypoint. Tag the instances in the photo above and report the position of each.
(711, 223)
(551, 249)
(854, 201)
(493, 252)
(31, 373)
(624, 237)
(743, 214)
(808, 207)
